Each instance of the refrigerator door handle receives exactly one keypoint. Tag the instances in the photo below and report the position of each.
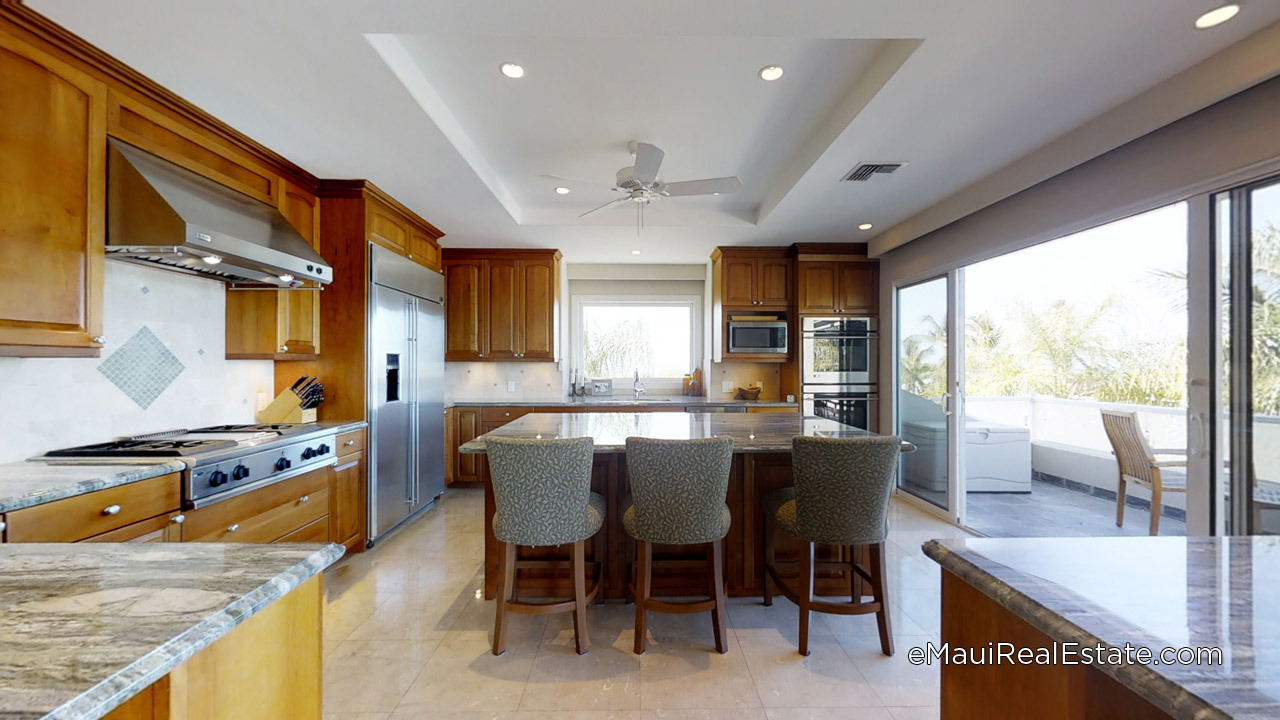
(409, 388)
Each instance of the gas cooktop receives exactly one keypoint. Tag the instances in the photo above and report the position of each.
(157, 447)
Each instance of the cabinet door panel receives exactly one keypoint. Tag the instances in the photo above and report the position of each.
(503, 301)
(774, 282)
(165, 528)
(859, 287)
(466, 429)
(739, 281)
(538, 309)
(347, 501)
(387, 228)
(423, 250)
(299, 310)
(83, 516)
(52, 207)
(817, 287)
(464, 310)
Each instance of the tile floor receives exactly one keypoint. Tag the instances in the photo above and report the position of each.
(1052, 511)
(406, 636)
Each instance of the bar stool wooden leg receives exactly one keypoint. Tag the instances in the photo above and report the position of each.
(602, 553)
(878, 571)
(644, 556)
(717, 594)
(769, 532)
(855, 580)
(577, 566)
(506, 582)
(805, 595)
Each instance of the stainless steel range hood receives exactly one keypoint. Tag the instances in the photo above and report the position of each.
(166, 216)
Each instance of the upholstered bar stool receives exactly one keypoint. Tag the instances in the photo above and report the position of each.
(542, 490)
(841, 497)
(678, 491)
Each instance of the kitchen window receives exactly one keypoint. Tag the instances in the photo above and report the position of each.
(613, 337)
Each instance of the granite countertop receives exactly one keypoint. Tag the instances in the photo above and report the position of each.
(85, 627)
(751, 433)
(608, 400)
(1155, 592)
(40, 480)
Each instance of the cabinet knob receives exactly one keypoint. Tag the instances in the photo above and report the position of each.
(234, 527)
(284, 348)
(100, 339)
(304, 498)
(349, 443)
(479, 354)
(178, 519)
(410, 256)
(3, 525)
(111, 510)
(507, 414)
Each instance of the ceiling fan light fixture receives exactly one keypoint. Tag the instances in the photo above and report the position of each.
(865, 226)
(769, 73)
(512, 70)
(562, 190)
(1218, 15)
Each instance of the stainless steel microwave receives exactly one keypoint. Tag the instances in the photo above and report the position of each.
(757, 337)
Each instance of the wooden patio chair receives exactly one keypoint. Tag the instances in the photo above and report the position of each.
(1139, 464)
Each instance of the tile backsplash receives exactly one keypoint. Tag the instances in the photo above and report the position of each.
(163, 367)
(489, 381)
(744, 374)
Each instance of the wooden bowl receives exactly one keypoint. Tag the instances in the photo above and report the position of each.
(749, 393)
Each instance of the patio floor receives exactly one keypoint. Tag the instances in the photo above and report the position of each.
(1053, 511)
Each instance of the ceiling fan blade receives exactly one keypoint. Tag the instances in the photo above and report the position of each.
(611, 202)
(648, 160)
(709, 186)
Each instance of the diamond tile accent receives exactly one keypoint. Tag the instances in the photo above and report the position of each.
(142, 368)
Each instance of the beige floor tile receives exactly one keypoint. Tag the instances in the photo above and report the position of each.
(355, 716)
(749, 614)
(452, 715)
(463, 674)
(579, 715)
(606, 678)
(372, 675)
(914, 713)
(415, 614)
(785, 679)
(894, 679)
(705, 714)
(899, 622)
(862, 713)
(677, 674)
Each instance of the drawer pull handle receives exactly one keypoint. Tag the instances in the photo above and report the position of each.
(179, 519)
(348, 466)
(111, 510)
(304, 498)
(507, 414)
(234, 527)
(349, 443)
(3, 525)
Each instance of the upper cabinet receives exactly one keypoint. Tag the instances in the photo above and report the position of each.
(501, 304)
(397, 229)
(52, 208)
(837, 286)
(753, 277)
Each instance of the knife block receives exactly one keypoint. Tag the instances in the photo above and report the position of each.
(286, 408)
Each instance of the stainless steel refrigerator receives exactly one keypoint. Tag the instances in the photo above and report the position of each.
(406, 389)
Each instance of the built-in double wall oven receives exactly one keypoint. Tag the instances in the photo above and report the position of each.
(838, 369)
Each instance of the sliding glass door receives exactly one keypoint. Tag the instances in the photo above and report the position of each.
(927, 370)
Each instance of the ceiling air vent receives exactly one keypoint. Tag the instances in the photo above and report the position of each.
(864, 171)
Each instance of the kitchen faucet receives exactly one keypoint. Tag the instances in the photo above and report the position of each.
(637, 386)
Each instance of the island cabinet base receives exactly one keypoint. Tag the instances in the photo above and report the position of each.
(268, 667)
(678, 570)
(970, 619)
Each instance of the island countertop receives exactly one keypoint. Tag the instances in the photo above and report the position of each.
(1155, 592)
(85, 627)
(751, 433)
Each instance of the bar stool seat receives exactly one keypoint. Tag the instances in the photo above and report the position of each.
(515, 527)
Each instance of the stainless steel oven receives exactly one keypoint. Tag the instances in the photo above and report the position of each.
(838, 351)
(758, 337)
(855, 405)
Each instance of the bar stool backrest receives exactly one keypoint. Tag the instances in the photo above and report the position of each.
(541, 489)
(843, 487)
(679, 488)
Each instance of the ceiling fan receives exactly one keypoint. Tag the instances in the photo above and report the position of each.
(640, 185)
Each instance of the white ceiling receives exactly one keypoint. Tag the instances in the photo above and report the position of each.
(408, 95)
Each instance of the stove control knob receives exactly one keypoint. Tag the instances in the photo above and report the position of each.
(323, 449)
(217, 478)
(308, 453)
(240, 472)
(283, 464)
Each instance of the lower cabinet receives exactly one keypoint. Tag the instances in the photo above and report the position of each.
(347, 502)
(164, 528)
(265, 515)
(127, 510)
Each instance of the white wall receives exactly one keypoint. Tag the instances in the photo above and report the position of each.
(49, 403)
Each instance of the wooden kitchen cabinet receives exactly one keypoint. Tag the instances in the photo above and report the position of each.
(752, 277)
(347, 502)
(838, 287)
(466, 427)
(164, 528)
(398, 230)
(501, 305)
(81, 517)
(264, 515)
(53, 210)
(279, 324)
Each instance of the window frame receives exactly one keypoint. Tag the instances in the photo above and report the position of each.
(655, 385)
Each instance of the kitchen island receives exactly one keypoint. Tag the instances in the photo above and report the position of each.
(1211, 593)
(136, 631)
(761, 463)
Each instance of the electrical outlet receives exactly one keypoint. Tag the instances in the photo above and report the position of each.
(726, 386)
(511, 386)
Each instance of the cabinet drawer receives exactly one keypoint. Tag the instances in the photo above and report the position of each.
(315, 531)
(503, 414)
(351, 442)
(84, 516)
(166, 528)
(264, 515)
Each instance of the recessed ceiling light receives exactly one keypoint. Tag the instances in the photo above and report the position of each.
(286, 278)
(864, 226)
(769, 73)
(512, 70)
(1217, 16)
(562, 190)
(715, 193)
(635, 252)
